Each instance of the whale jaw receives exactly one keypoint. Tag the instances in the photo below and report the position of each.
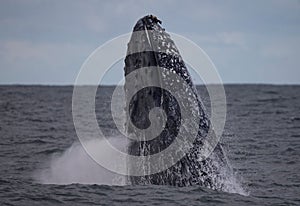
(160, 51)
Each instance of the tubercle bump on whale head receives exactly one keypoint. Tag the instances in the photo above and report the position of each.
(154, 18)
(149, 22)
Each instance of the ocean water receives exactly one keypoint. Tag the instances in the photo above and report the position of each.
(42, 162)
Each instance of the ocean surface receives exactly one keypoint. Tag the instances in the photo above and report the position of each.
(42, 162)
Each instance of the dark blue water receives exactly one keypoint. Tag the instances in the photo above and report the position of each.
(42, 162)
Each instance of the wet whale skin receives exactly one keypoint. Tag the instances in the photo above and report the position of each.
(159, 50)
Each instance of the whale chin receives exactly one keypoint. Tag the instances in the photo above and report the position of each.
(151, 46)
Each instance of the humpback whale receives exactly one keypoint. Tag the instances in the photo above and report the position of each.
(153, 47)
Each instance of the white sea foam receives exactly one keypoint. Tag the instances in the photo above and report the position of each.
(75, 165)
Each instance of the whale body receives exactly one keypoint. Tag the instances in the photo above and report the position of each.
(161, 51)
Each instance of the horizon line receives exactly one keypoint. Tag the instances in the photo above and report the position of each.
(111, 85)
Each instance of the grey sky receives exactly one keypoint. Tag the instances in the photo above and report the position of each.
(46, 42)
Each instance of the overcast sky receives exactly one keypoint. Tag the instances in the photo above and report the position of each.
(46, 42)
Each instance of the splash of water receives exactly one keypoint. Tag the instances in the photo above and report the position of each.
(76, 166)
(232, 182)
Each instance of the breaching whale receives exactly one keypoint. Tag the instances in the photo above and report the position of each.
(153, 47)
